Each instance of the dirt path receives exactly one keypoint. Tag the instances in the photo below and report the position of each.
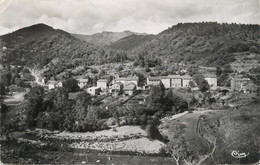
(37, 74)
(205, 141)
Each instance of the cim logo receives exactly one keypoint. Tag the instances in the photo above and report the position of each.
(237, 154)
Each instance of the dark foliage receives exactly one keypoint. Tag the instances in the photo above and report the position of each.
(70, 85)
(207, 43)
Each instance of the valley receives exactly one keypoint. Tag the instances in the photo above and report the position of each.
(188, 95)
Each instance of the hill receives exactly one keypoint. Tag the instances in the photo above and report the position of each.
(104, 38)
(40, 43)
(131, 42)
(202, 43)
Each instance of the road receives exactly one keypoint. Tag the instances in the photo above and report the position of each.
(206, 142)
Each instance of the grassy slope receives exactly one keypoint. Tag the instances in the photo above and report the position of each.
(211, 136)
(236, 129)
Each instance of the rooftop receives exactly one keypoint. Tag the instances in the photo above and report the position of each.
(186, 77)
(130, 86)
(119, 83)
(209, 75)
(127, 79)
(241, 79)
(154, 78)
(82, 80)
(93, 88)
(102, 80)
(53, 82)
(171, 77)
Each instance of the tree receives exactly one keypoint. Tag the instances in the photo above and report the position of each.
(6, 78)
(142, 79)
(71, 85)
(155, 99)
(3, 109)
(152, 129)
(2, 89)
(172, 100)
(83, 100)
(177, 145)
(201, 82)
(34, 104)
(61, 98)
(192, 84)
(147, 69)
(253, 49)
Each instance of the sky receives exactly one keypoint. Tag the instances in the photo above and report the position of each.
(143, 16)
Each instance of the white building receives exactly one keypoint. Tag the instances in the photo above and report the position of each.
(186, 79)
(82, 82)
(129, 89)
(212, 80)
(54, 84)
(153, 81)
(102, 83)
(127, 80)
(94, 90)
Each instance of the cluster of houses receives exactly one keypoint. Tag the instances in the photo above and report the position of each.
(129, 85)
(244, 85)
(178, 81)
(126, 85)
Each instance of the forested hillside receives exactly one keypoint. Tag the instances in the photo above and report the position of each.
(208, 43)
(131, 42)
(39, 44)
(202, 43)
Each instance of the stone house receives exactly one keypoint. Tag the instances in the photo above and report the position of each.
(54, 84)
(176, 81)
(94, 90)
(248, 87)
(172, 81)
(117, 87)
(129, 89)
(102, 83)
(166, 81)
(127, 80)
(186, 79)
(82, 83)
(236, 83)
(153, 81)
(211, 79)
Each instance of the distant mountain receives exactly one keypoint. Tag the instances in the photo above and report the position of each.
(105, 38)
(131, 42)
(207, 43)
(40, 43)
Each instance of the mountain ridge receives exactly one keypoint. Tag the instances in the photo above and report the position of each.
(206, 43)
(106, 37)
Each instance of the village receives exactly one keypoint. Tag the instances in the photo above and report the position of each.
(190, 93)
(128, 86)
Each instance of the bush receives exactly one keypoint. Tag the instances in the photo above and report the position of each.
(253, 49)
